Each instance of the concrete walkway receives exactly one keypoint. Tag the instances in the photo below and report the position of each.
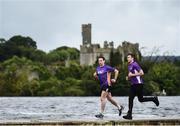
(94, 122)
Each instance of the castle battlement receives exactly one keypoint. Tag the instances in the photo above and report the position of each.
(89, 52)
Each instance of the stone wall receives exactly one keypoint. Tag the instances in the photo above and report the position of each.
(88, 55)
(89, 52)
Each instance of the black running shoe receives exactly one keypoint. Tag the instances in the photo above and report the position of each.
(100, 115)
(120, 110)
(128, 116)
(156, 101)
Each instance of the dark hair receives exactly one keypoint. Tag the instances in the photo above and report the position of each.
(131, 54)
(101, 57)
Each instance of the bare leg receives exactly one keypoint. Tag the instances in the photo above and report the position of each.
(103, 100)
(109, 97)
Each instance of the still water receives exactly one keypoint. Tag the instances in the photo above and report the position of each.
(81, 108)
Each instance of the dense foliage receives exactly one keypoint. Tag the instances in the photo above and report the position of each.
(28, 71)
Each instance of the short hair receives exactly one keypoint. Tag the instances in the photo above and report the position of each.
(131, 54)
(101, 57)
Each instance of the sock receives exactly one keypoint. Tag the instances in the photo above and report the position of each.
(101, 113)
(119, 107)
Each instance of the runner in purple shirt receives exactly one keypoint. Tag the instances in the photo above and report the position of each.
(135, 74)
(103, 74)
(134, 68)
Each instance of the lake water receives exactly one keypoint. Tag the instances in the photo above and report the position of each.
(81, 108)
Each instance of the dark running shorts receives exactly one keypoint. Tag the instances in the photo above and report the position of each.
(106, 88)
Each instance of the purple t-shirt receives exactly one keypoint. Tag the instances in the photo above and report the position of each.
(102, 74)
(133, 68)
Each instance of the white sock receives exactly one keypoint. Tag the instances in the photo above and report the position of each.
(119, 107)
(101, 113)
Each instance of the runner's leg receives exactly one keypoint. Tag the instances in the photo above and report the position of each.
(109, 97)
(103, 100)
(141, 98)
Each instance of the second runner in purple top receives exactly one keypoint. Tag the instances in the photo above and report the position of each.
(102, 72)
(134, 67)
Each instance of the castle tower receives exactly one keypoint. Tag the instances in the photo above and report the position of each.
(89, 52)
(86, 34)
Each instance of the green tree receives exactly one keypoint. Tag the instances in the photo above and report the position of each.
(73, 87)
(165, 75)
(115, 58)
(17, 46)
(50, 87)
(73, 53)
(56, 56)
(22, 41)
(16, 76)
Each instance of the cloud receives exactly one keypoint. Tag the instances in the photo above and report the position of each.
(58, 22)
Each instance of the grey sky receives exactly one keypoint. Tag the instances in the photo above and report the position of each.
(54, 23)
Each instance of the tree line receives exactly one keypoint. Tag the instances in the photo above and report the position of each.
(28, 71)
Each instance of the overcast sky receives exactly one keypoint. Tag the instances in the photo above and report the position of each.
(55, 23)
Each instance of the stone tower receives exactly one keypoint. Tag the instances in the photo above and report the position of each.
(86, 34)
(89, 51)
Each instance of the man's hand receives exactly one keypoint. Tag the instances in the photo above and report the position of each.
(96, 77)
(113, 80)
(127, 78)
(108, 89)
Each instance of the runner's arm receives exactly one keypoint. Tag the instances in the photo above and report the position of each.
(139, 73)
(95, 75)
(115, 76)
